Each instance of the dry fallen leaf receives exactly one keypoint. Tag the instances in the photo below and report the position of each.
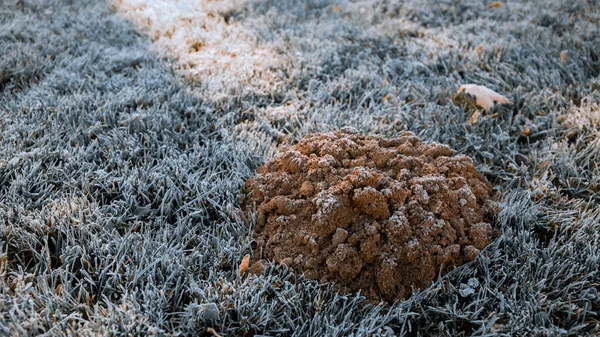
(212, 331)
(495, 4)
(563, 56)
(474, 117)
(484, 97)
(479, 49)
(244, 264)
(526, 132)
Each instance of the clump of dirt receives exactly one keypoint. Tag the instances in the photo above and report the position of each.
(369, 213)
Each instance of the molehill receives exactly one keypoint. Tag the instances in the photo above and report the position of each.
(378, 215)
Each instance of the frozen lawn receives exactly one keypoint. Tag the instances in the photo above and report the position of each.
(123, 153)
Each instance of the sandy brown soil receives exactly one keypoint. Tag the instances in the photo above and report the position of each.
(371, 214)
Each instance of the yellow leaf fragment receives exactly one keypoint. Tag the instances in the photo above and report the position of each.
(479, 49)
(245, 263)
(485, 97)
(474, 117)
(563, 56)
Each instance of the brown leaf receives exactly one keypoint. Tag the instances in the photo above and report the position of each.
(245, 263)
(563, 56)
(526, 132)
(479, 49)
(495, 4)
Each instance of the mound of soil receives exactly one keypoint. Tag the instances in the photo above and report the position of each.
(369, 213)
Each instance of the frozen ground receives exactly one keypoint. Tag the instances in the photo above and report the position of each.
(122, 159)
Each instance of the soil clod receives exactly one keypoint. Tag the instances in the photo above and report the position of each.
(369, 213)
